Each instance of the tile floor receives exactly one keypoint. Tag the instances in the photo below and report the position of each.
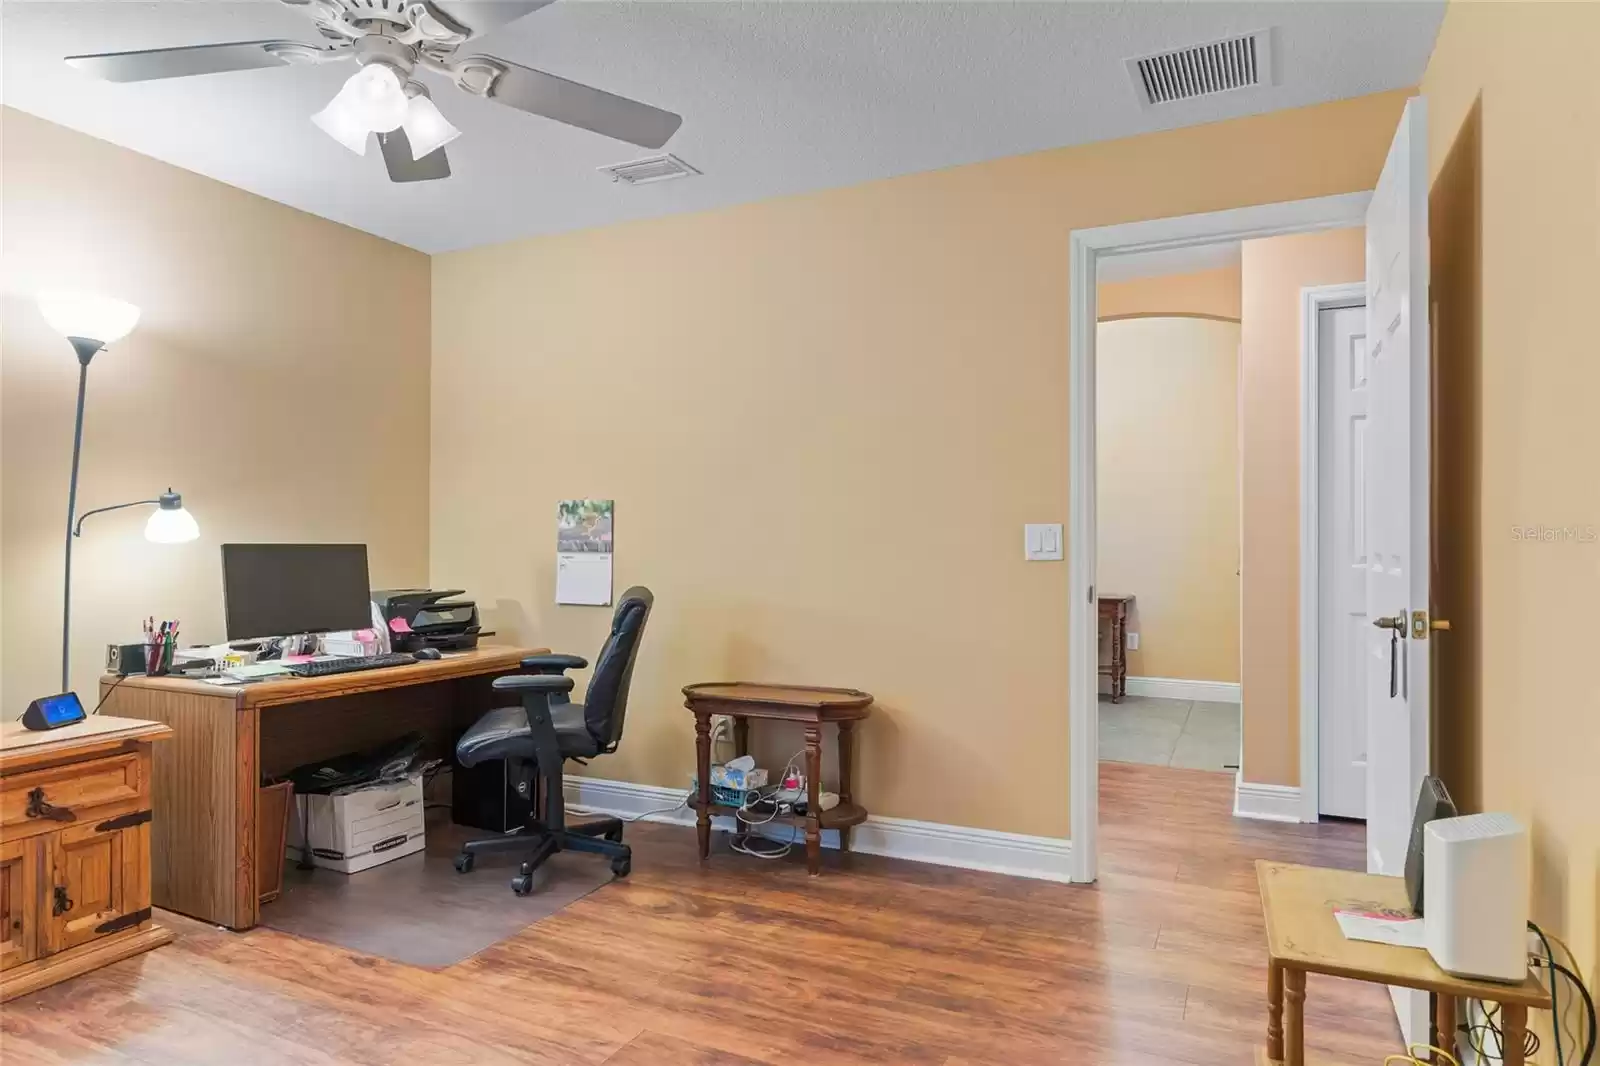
(1188, 734)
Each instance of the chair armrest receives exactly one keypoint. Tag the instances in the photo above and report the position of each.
(554, 662)
(530, 683)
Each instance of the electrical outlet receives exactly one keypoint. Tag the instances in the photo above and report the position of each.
(1133, 642)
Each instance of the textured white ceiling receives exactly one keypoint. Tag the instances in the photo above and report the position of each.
(777, 97)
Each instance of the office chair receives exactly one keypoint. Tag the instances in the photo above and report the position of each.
(537, 737)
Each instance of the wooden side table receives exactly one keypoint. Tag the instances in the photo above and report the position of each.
(1114, 611)
(814, 707)
(1303, 937)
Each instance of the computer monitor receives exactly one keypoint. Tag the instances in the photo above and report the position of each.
(273, 590)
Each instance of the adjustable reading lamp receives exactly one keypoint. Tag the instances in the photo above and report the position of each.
(90, 323)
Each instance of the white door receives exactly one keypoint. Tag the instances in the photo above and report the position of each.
(1397, 519)
(1343, 630)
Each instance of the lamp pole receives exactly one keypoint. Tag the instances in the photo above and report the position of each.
(86, 349)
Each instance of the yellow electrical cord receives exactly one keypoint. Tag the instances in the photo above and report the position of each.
(1414, 1056)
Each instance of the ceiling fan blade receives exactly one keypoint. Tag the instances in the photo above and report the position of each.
(397, 157)
(539, 93)
(156, 63)
(478, 17)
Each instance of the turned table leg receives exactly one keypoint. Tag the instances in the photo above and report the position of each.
(1444, 1027)
(847, 770)
(1514, 1027)
(702, 754)
(814, 798)
(1294, 1035)
(1274, 1012)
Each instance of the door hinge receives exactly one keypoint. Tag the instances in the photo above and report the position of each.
(124, 821)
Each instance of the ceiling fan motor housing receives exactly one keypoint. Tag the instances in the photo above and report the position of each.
(411, 22)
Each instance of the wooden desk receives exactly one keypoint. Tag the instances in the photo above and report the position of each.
(1303, 937)
(814, 707)
(75, 817)
(1114, 612)
(226, 739)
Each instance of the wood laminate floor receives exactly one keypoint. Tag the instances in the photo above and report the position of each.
(742, 961)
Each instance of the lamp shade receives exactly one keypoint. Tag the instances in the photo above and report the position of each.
(78, 314)
(171, 524)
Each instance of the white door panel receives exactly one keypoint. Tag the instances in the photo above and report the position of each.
(1397, 519)
(1342, 635)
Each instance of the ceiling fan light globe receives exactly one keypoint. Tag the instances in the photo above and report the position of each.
(339, 121)
(377, 98)
(426, 128)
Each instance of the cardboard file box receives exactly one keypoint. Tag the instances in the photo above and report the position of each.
(362, 827)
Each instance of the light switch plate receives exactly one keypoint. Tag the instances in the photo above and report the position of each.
(1133, 642)
(1042, 541)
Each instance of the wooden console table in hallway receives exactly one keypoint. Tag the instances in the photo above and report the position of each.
(1114, 612)
(1303, 937)
(813, 707)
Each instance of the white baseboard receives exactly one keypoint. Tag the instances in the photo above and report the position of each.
(1272, 803)
(1045, 858)
(1176, 688)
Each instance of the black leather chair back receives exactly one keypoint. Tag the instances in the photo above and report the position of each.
(605, 705)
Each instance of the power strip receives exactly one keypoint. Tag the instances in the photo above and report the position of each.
(793, 796)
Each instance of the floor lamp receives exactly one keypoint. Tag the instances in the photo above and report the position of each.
(90, 323)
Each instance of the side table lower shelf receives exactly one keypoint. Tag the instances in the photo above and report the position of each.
(843, 816)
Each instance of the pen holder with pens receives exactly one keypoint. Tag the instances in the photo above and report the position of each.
(160, 642)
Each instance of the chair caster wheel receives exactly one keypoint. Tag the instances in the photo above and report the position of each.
(621, 867)
(464, 863)
(522, 884)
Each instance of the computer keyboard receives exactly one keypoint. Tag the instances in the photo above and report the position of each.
(349, 664)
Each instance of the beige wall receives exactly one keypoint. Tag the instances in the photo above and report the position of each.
(1166, 409)
(1274, 272)
(1515, 152)
(824, 420)
(1206, 293)
(272, 344)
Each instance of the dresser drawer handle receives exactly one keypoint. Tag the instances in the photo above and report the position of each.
(39, 807)
(63, 902)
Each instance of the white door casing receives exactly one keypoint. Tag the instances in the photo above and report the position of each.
(1341, 361)
(1398, 508)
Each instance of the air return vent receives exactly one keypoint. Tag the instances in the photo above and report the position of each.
(647, 171)
(1241, 62)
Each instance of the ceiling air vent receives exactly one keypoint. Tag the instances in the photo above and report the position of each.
(1241, 62)
(647, 171)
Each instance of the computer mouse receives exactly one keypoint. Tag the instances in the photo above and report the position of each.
(427, 653)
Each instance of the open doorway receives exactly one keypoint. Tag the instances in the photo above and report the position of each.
(1394, 527)
(1168, 514)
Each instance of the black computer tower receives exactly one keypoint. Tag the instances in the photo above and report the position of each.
(482, 797)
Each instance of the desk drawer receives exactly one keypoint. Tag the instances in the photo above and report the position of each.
(42, 801)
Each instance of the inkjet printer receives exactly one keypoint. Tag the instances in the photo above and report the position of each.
(424, 618)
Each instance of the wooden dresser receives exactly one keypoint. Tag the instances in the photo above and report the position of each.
(74, 849)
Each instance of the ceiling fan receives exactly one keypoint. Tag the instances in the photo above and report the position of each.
(392, 40)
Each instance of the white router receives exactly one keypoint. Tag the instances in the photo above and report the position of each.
(1475, 896)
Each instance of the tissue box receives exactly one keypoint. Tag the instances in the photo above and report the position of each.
(733, 777)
